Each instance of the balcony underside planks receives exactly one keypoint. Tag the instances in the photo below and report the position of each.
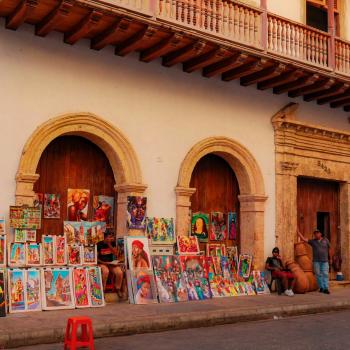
(172, 44)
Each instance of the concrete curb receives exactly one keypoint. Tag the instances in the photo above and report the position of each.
(171, 322)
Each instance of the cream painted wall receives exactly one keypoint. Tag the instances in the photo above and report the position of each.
(162, 111)
(294, 10)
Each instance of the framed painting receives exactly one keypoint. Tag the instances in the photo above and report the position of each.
(80, 287)
(3, 248)
(60, 252)
(98, 229)
(216, 249)
(33, 290)
(16, 289)
(20, 235)
(3, 294)
(138, 252)
(30, 235)
(143, 286)
(16, 254)
(52, 206)
(78, 204)
(244, 265)
(89, 254)
(48, 249)
(218, 226)
(74, 253)
(103, 210)
(232, 226)
(2, 226)
(200, 226)
(33, 254)
(95, 286)
(187, 245)
(136, 212)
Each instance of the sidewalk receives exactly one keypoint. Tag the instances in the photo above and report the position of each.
(123, 319)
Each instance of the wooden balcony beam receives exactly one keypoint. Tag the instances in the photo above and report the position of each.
(106, 37)
(83, 28)
(301, 82)
(265, 74)
(340, 103)
(245, 69)
(184, 53)
(317, 86)
(236, 60)
(333, 98)
(347, 108)
(134, 42)
(282, 79)
(204, 60)
(20, 14)
(50, 22)
(163, 47)
(334, 90)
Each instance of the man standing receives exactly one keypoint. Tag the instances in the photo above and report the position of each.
(320, 251)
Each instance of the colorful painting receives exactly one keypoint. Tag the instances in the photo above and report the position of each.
(217, 265)
(232, 226)
(3, 250)
(95, 286)
(74, 254)
(3, 295)
(161, 230)
(60, 250)
(232, 255)
(78, 232)
(200, 226)
(98, 229)
(89, 255)
(48, 249)
(138, 252)
(2, 226)
(218, 226)
(153, 228)
(104, 209)
(20, 235)
(78, 204)
(244, 265)
(187, 245)
(25, 217)
(33, 290)
(136, 212)
(259, 283)
(170, 281)
(57, 287)
(143, 287)
(81, 290)
(52, 206)
(216, 249)
(30, 235)
(33, 254)
(225, 267)
(16, 255)
(38, 201)
(16, 289)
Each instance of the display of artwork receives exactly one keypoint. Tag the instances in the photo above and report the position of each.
(52, 206)
(218, 226)
(200, 226)
(232, 226)
(3, 294)
(16, 288)
(170, 281)
(98, 229)
(161, 230)
(25, 217)
(136, 212)
(89, 255)
(187, 245)
(74, 254)
(76, 232)
(33, 254)
(80, 287)
(60, 253)
(30, 235)
(48, 249)
(225, 267)
(2, 226)
(95, 286)
(57, 288)
(33, 290)
(38, 201)
(16, 254)
(260, 283)
(216, 249)
(3, 250)
(232, 255)
(78, 204)
(20, 235)
(103, 207)
(138, 252)
(244, 265)
(143, 287)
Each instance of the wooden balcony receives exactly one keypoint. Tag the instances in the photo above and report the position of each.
(219, 37)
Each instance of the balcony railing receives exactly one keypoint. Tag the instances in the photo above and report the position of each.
(342, 56)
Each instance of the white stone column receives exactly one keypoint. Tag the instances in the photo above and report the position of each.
(24, 188)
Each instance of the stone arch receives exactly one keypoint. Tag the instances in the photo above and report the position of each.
(119, 151)
(252, 189)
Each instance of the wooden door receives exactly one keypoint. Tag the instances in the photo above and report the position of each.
(216, 188)
(72, 162)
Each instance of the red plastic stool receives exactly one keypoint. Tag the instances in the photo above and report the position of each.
(71, 340)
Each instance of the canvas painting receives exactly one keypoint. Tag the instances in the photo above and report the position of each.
(38, 201)
(225, 267)
(30, 235)
(98, 229)
(78, 204)
(217, 265)
(2, 226)
(16, 255)
(216, 249)
(33, 254)
(3, 247)
(81, 290)
(16, 289)
(259, 283)
(161, 230)
(78, 232)
(3, 294)
(153, 228)
(232, 255)
(60, 250)
(52, 206)
(244, 265)
(232, 226)
(138, 252)
(103, 207)
(74, 254)
(33, 290)
(25, 217)
(48, 249)
(95, 286)
(57, 287)
(143, 286)
(89, 255)
(200, 226)
(20, 235)
(136, 212)
(218, 226)
(187, 245)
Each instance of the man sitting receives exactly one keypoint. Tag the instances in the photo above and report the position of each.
(275, 265)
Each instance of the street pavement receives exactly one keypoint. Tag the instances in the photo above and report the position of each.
(329, 331)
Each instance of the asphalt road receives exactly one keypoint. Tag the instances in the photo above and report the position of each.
(329, 331)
